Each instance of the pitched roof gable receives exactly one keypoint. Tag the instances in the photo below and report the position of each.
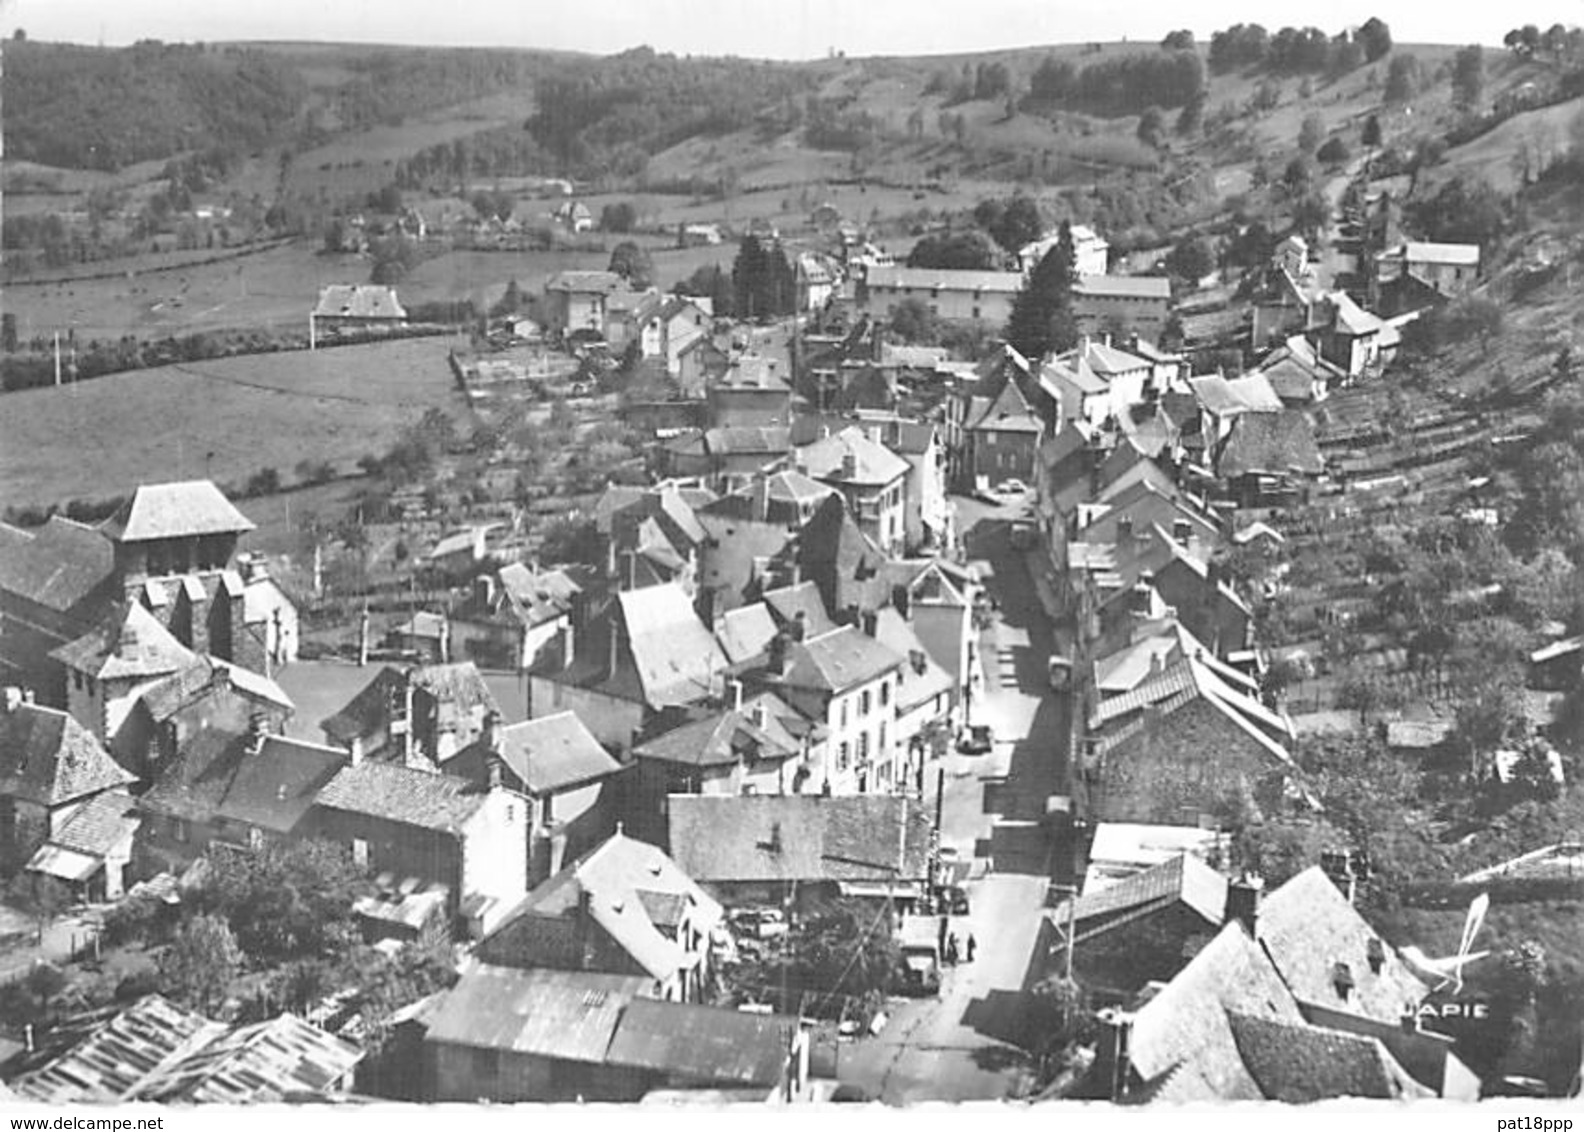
(844, 658)
(547, 754)
(127, 644)
(59, 565)
(441, 802)
(175, 510)
(677, 659)
(49, 759)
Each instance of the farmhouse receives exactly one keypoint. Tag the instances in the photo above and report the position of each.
(356, 307)
(1449, 268)
(576, 300)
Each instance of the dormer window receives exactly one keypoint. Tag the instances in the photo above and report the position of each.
(1376, 951)
(1342, 979)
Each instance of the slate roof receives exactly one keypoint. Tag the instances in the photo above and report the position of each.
(738, 439)
(1215, 395)
(459, 688)
(1308, 927)
(567, 1015)
(189, 683)
(785, 837)
(1181, 879)
(843, 658)
(606, 884)
(99, 825)
(360, 300)
(1298, 1063)
(703, 1043)
(1270, 443)
(586, 282)
(217, 775)
(441, 802)
(1183, 682)
(58, 565)
(745, 633)
(795, 487)
(1184, 1030)
(930, 278)
(1255, 391)
(676, 658)
(721, 739)
(788, 601)
(1125, 286)
(547, 754)
(127, 644)
(874, 464)
(1008, 411)
(175, 510)
(1103, 359)
(49, 759)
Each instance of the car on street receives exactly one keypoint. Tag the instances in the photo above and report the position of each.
(976, 740)
(954, 900)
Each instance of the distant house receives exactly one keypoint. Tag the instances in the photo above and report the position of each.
(461, 550)
(1001, 435)
(817, 278)
(154, 1052)
(518, 618)
(423, 714)
(356, 306)
(576, 300)
(1175, 748)
(698, 235)
(1091, 252)
(1120, 850)
(92, 849)
(847, 681)
(647, 652)
(667, 326)
(624, 908)
(957, 296)
(445, 846)
(869, 476)
(110, 666)
(558, 765)
(50, 766)
(753, 392)
(699, 364)
(1449, 268)
(240, 791)
(730, 752)
(1140, 303)
(574, 216)
(768, 849)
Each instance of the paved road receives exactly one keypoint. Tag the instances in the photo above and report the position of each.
(966, 1044)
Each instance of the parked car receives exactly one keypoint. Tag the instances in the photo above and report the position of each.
(976, 740)
(759, 923)
(954, 900)
(1011, 487)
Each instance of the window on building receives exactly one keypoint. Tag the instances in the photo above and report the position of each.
(843, 758)
(843, 716)
(880, 740)
(77, 680)
(885, 692)
(863, 747)
(863, 703)
(360, 853)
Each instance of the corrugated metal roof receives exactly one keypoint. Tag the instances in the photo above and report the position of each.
(566, 1015)
(706, 1044)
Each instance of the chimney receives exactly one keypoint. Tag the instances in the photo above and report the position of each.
(407, 715)
(779, 654)
(484, 592)
(799, 627)
(489, 735)
(1124, 531)
(127, 646)
(849, 466)
(759, 715)
(1182, 530)
(492, 768)
(1113, 1057)
(736, 689)
(1155, 667)
(363, 637)
(613, 645)
(445, 639)
(1242, 902)
(355, 753)
(13, 699)
(903, 601)
(256, 733)
(871, 622)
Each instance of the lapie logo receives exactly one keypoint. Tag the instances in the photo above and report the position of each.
(1461, 1010)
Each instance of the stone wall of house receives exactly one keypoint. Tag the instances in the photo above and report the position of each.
(494, 850)
(1190, 763)
(465, 1074)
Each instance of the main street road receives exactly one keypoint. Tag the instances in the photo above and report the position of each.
(968, 1044)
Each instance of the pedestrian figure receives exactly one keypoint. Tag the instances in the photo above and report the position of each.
(973, 945)
(951, 950)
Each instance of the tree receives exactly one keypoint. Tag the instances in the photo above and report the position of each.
(394, 257)
(1192, 259)
(912, 321)
(957, 251)
(1152, 127)
(1310, 132)
(1371, 137)
(285, 902)
(201, 961)
(1042, 318)
(42, 897)
(1468, 76)
(1374, 36)
(845, 947)
(1367, 692)
(1334, 152)
(1466, 210)
(618, 217)
(8, 332)
(633, 264)
(1179, 40)
(1297, 177)
(1017, 224)
(1402, 79)
(1524, 41)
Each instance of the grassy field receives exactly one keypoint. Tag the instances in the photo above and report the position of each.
(224, 419)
